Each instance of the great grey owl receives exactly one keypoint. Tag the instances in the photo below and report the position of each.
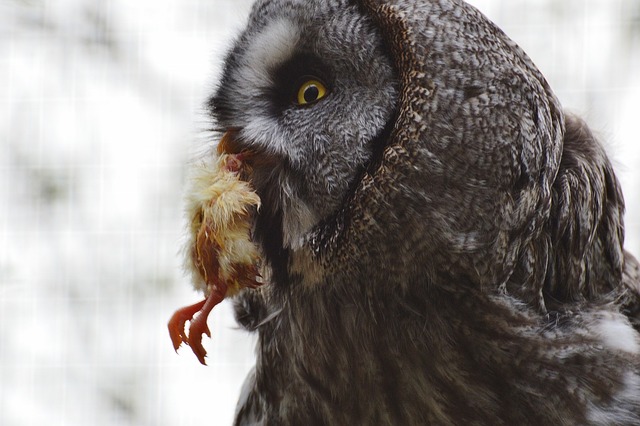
(442, 243)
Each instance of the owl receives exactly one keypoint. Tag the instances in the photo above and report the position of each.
(441, 243)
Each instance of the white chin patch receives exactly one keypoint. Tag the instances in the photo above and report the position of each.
(297, 222)
(616, 333)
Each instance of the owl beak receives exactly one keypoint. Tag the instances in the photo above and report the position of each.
(229, 143)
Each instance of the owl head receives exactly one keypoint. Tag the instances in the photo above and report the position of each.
(412, 141)
(310, 88)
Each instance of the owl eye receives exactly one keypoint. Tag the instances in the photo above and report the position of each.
(310, 91)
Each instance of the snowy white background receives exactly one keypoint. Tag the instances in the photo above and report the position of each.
(100, 108)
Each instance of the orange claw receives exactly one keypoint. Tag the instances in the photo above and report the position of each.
(198, 325)
(177, 321)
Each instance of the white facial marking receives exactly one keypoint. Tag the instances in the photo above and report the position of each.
(298, 219)
(270, 48)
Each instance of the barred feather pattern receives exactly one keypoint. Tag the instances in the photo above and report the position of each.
(461, 263)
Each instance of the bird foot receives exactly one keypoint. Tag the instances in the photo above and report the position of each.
(197, 314)
(177, 323)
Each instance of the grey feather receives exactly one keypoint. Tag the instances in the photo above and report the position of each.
(444, 244)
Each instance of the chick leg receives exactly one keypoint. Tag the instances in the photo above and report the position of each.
(198, 325)
(178, 320)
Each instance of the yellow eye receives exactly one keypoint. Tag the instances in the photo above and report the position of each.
(311, 91)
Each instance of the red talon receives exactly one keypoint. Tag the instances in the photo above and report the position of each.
(177, 321)
(198, 325)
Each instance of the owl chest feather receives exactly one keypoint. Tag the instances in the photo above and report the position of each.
(339, 353)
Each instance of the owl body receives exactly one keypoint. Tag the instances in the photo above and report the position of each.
(443, 243)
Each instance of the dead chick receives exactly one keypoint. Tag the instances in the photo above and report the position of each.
(219, 251)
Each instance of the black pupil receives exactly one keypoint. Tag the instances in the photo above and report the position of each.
(311, 93)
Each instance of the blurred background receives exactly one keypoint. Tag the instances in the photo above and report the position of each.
(101, 108)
